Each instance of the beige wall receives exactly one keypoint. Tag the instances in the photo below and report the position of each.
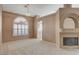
(0, 24)
(49, 28)
(8, 19)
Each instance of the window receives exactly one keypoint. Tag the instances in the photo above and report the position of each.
(20, 27)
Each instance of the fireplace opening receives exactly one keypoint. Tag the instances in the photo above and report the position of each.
(70, 41)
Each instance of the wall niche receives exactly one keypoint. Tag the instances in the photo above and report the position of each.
(69, 23)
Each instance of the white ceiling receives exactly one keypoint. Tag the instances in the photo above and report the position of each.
(35, 9)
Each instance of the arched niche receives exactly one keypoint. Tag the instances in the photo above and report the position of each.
(69, 23)
(70, 18)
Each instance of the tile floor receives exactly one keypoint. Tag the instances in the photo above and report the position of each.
(34, 47)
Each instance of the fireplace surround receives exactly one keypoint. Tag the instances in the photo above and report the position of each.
(67, 27)
(69, 37)
(70, 41)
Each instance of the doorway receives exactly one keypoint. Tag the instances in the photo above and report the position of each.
(39, 30)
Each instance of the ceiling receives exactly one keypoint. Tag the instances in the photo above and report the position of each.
(35, 9)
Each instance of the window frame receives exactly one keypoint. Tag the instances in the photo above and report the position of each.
(26, 29)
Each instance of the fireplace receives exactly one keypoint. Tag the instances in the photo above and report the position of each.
(70, 41)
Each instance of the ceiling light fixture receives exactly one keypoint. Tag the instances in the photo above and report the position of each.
(27, 6)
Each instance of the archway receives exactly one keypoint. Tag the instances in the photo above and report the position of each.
(39, 30)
